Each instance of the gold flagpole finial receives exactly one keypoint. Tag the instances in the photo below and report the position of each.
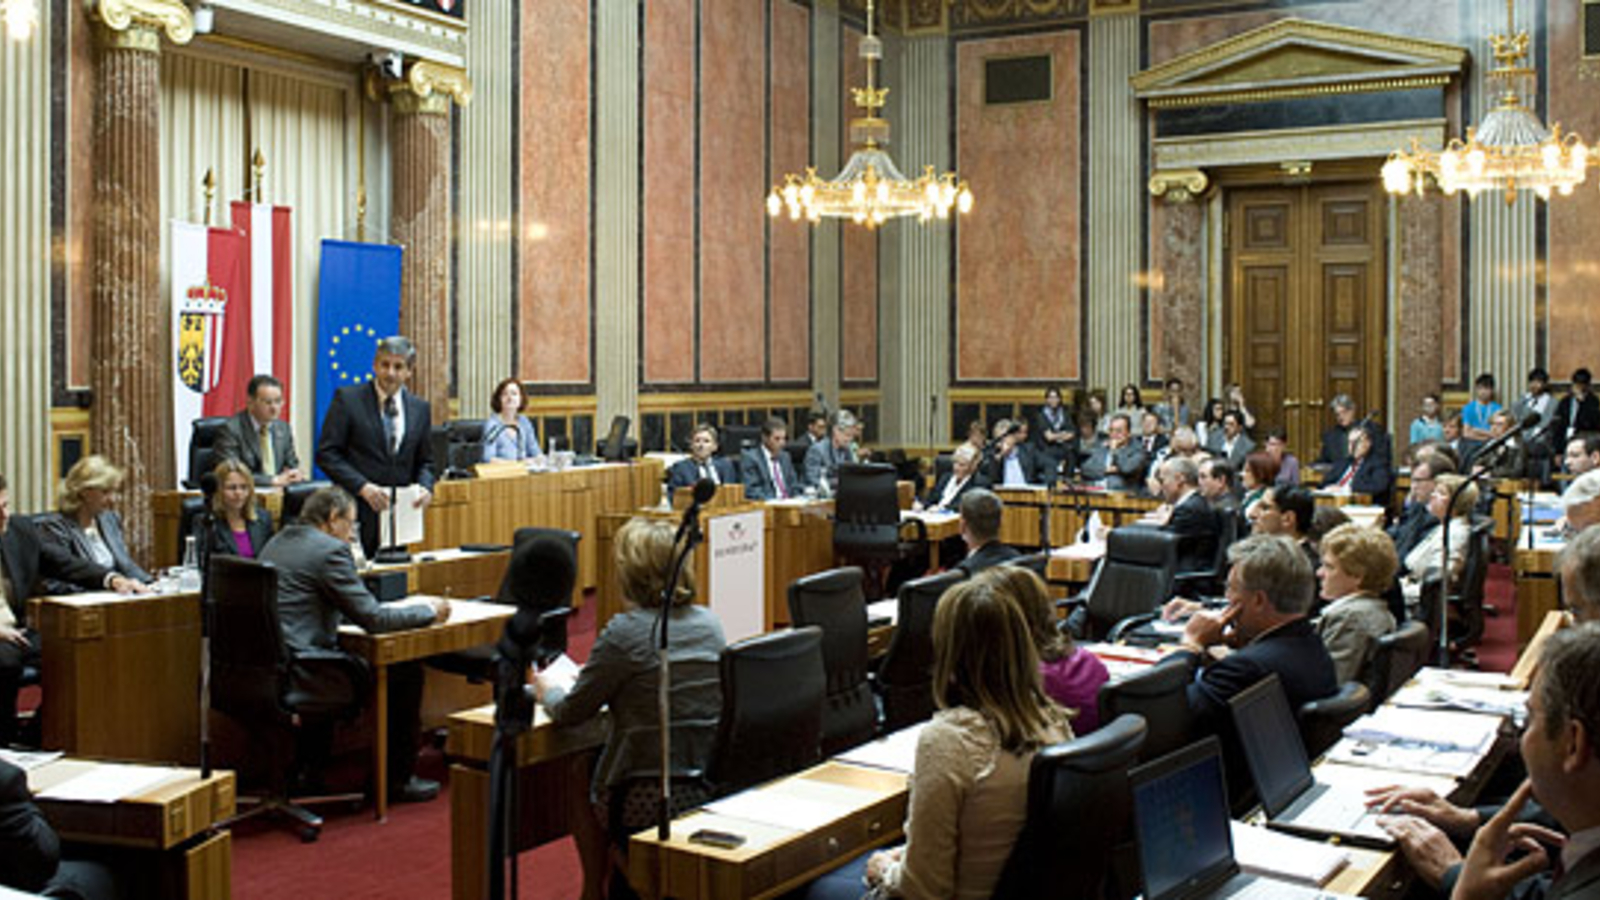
(259, 164)
(210, 184)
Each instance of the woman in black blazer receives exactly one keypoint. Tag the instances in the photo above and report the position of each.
(239, 526)
(85, 526)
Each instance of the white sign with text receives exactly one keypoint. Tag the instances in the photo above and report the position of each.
(737, 551)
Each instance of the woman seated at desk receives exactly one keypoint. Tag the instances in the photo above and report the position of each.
(86, 526)
(1426, 561)
(239, 525)
(621, 674)
(969, 790)
(508, 434)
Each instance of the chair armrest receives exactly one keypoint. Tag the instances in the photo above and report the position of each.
(918, 526)
(327, 682)
(1117, 631)
(1076, 601)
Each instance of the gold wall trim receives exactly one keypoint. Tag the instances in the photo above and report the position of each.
(170, 16)
(722, 400)
(1333, 142)
(1179, 185)
(1295, 91)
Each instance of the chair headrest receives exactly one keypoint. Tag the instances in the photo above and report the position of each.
(1142, 546)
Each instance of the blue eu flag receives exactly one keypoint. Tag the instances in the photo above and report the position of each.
(358, 304)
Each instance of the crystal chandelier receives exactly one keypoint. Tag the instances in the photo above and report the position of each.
(870, 190)
(21, 17)
(1510, 150)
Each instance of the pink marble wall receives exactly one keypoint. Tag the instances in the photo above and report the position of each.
(1573, 274)
(1017, 309)
(668, 203)
(858, 252)
(789, 275)
(554, 252)
(733, 186)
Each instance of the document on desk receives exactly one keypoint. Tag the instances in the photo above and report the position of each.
(886, 611)
(1262, 851)
(796, 803)
(27, 760)
(110, 782)
(1443, 693)
(1432, 742)
(896, 752)
(404, 525)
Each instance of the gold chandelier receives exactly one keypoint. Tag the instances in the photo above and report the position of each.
(870, 189)
(20, 17)
(1510, 150)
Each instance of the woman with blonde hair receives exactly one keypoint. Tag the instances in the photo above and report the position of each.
(1071, 675)
(969, 787)
(239, 526)
(1358, 565)
(1425, 562)
(86, 526)
(621, 676)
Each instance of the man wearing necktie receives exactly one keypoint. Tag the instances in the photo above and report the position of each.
(257, 437)
(703, 461)
(375, 437)
(768, 471)
(823, 459)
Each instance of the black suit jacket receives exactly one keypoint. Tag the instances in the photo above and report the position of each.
(237, 440)
(686, 472)
(1411, 527)
(991, 554)
(29, 560)
(62, 531)
(29, 848)
(353, 452)
(1294, 652)
(930, 500)
(1372, 477)
(1195, 524)
(1027, 457)
(758, 484)
(220, 538)
(1585, 415)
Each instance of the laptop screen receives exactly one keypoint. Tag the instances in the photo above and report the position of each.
(1271, 743)
(1180, 809)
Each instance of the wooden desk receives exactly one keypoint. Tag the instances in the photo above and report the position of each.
(471, 624)
(545, 786)
(1538, 589)
(166, 830)
(773, 859)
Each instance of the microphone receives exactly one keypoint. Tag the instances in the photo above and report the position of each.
(704, 490)
(538, 582)
(1531, 420)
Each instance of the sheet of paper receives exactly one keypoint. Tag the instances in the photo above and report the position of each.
(1436, 729)
(405, 522)
(896, 752)
(562, 672)
(1262, 851)
(27, 760)
(796, 803)
(884, 609)
(1416, 758)
(1442, 695)
(110, 782)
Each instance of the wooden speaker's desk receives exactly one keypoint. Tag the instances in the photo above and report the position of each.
(165, 831)
(551, 774)
(1537, 586)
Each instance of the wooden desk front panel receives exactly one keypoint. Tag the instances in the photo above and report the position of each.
(159, 818)
(1538, 590)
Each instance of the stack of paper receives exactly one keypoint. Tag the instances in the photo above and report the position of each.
(886, 611)
(1261, 851)
(896, 752)
(1435, 742)
(1441, 689)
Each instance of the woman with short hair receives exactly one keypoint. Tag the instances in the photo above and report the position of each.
(1358, 565)
(1259, 473)
(86, 525)
(507, 433)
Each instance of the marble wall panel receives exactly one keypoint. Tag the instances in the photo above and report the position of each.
(1573, 273)
(733, 186)
(858, 265)
(1018, 273)
(80, 193)
(667, 209)
(789, 243)
(555, 319)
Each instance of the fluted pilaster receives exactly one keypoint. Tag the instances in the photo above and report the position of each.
(420, 222)
(132, 372)
(616, 224)
(1112, 256)
(826, 93)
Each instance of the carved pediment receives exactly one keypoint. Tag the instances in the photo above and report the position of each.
(1293, 58)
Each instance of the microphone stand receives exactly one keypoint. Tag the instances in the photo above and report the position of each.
(208, 613)
(689, 537)
(513, 714)
(1473, 475)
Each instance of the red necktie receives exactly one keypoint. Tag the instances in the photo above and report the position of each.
(777, 479)
(1349, 475)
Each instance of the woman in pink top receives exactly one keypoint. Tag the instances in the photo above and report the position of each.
(1072, 676)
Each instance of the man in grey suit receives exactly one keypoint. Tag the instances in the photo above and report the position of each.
(824, 457)
(257, 437)
(1118, 464)
(768, 472)
(317, 583)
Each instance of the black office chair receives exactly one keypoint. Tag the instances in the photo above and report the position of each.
(294, 500)
(1160, 695)
(1080, 811)
(833, 601)
(735, 439)
(188, 511)
(256, 681)
(1213, 581)
(476, 664)
(1134, 578)
(1467, 601)
(867, 528)
(1396, 657)
(617, 445)
(202, 448)
(905, 678)
(772, 698)
(1322, 722)
(463, 447)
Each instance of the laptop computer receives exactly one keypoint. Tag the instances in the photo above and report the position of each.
(1293, 798)
(1180, 813)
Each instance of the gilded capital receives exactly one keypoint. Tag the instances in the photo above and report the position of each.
(137, 24)
(1179, 185)
(428, 87)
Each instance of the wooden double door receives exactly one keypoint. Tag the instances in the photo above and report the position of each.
(1305, 310)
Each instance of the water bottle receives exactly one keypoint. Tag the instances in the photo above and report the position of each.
(189, 573)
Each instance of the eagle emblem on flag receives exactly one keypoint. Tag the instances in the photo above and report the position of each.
(201, 317)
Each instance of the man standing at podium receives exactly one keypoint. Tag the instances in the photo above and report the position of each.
(375, 437)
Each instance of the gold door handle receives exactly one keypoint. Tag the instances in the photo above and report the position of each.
(1317, 402)
(1290, 402)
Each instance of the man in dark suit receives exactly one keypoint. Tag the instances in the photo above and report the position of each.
(703, 462)
(768, 472)
(1119, 462)
(25, 563)
(317, 584)
(980, 530)
(946, 494)
(1151, 440)
(1336, 440)
(1015, 461)
(376, 436)
(825, 457)
(1576, 413)
(1270, 591)
(257, 437)
(1362, 471)
(30, 850)
(1190, 517)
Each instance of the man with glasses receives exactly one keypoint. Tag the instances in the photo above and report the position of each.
(258, 437)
